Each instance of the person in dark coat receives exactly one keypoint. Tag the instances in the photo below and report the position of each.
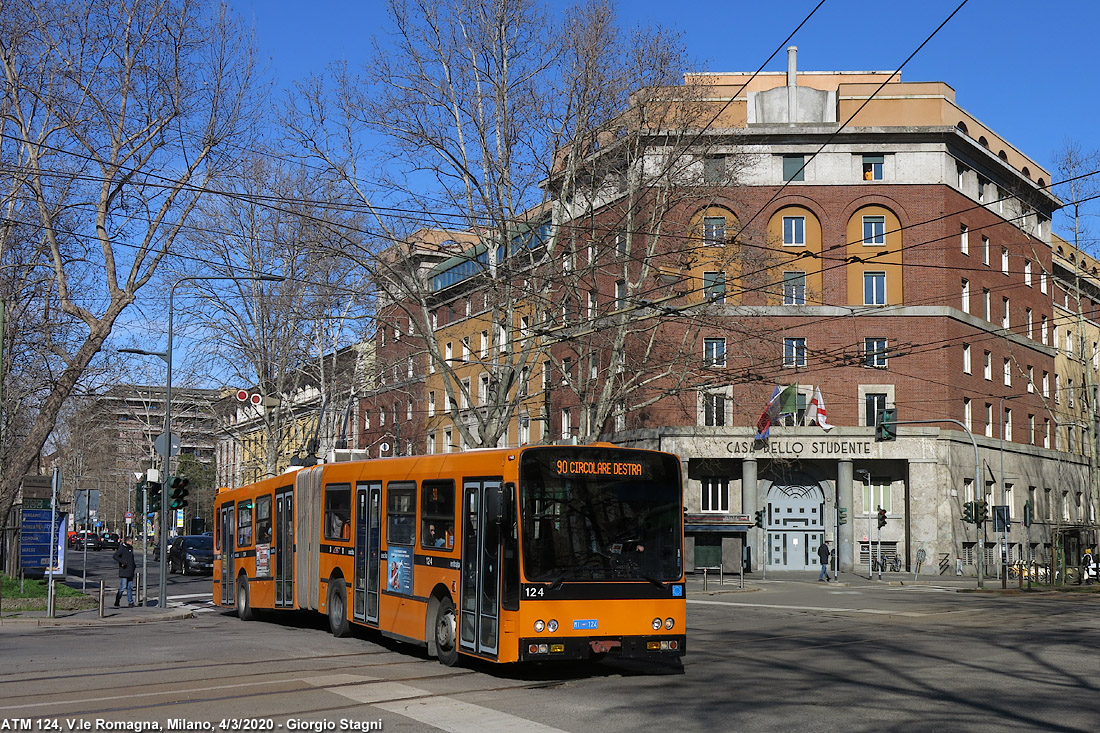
(124, 556)
(823, 554)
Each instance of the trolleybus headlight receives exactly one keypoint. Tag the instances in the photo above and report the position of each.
(657, 624)
(539, 626)
(552, 626)
(670, 622)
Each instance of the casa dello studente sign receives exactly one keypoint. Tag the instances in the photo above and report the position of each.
(800, 447)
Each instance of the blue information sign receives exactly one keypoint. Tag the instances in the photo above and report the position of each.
(34, 547)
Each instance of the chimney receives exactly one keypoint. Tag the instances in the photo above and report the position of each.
(792, 83)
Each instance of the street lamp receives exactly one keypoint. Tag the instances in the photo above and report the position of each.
(162, 532)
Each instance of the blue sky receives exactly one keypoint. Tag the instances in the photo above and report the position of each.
(1026, 69)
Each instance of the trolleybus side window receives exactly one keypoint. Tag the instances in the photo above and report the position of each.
(263, 520)
(400, 512)
(437, 514)
(244, 524)
(338, 512)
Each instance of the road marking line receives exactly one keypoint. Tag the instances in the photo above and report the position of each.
(338, 679)
(439, 712)
(458, 717)
(189, 595)
(874, 611)
(134, 695)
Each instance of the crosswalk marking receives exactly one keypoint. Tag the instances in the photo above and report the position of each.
(439, 712)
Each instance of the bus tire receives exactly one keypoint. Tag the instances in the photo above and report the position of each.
(244, 608)
(446, 641)
(338, 607)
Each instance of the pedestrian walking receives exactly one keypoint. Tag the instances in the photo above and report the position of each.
(124, 556)
(1088, 567)
(823, 552)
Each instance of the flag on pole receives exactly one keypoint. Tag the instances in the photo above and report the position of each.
(788, 400)
(764, 424)
(816, 412)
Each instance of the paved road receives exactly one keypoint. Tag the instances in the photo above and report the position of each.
(784, 656)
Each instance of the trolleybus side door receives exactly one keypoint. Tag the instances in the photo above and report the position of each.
(368, 523)
(284, 548)
(228, 530)
(479, 617)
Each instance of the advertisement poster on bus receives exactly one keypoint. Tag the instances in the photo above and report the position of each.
(263, 560)
(399, 577)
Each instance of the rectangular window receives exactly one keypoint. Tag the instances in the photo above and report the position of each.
(987, 366)
(620, 295)
(244, 523)
(1027, 273)
(877, 495)
(794, 288)
(874, 230)
(1008, 372)
(1004, 313)
(1043, 329)
(714, 286)
(1028, 318)
(968, 416)
(714, 169)
(1007, 430)
(401, 512)
(966, 358)
(873, 403)
(872, 167)
(715, 495)
(1046, 384)
(1004, 260)
(794, 352)
(431, 403)
(874, 288)
(989, 419)
(964, 239)
(874, 352)
(965, 296)
(714, 230)
(437, 514)
(566, 424)
(1030, 379)
(982, 186)
(338, 511)
(1031, 429)
(794, 168)
(985, 251)
(714, 352)
(794, 230)
(987, 305)
(714, 409)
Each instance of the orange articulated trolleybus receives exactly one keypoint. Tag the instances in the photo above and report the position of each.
(523, 554)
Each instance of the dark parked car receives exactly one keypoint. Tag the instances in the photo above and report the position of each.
(89, 539)
(191, 553)
(109, 540)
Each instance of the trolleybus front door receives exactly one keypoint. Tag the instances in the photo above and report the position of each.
(228, 529)
(480, 613)
(284, 549)
(368, 523)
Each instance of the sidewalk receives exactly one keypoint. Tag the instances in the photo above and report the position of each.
(756, 581)
(90, 617)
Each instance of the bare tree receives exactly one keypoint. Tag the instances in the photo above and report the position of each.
(115, 114)
(282, 338)
(528, 141)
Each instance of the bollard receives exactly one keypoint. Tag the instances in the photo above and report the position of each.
(101, 599)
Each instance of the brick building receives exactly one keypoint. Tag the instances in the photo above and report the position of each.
(845, 232)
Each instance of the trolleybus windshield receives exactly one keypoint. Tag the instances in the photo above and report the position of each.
(597, 514)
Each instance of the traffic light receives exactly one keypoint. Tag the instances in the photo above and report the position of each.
(886, 428)
(178, 494)
(154, 495)
(841, 516)
(881, 517)
(968, 512)
(981, 512)
(139, 494)
(1027, 513)
(759, 518)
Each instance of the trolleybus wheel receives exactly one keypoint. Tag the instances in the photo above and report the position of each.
(338, 608)
(244, 610)
(446, 643)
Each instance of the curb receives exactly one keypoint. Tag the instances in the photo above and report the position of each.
(118, 620)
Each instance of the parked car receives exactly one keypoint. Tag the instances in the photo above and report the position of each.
(191, 553)
(87, 539)
(109, 540)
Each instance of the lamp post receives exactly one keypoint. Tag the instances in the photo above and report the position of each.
(162, 532)
(1004, 494)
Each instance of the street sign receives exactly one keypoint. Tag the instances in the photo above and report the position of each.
(166, 442)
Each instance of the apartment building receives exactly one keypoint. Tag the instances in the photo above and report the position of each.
(844, 236)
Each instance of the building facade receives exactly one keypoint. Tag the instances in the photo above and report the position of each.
(857, 238)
